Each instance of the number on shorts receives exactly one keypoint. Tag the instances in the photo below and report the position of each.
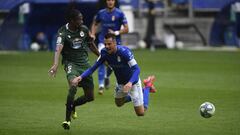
(69, 69)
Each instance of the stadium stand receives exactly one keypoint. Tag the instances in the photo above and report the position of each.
(45, 15)
(195, 22)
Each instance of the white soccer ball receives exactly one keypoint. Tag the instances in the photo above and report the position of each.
(142, 44)
(35, 47)
(179, 45)
(207, 109)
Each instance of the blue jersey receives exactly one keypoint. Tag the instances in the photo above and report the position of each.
(122, 62)
(110, 20)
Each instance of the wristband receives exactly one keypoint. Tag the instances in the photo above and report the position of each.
(116, 33)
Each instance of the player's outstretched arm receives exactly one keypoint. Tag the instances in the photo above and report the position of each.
(135, 75)
(53, 70)
(134, 78)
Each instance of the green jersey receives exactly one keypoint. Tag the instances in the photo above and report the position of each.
(75, 45)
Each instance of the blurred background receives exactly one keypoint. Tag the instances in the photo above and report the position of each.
(183, 24)
(32, 103)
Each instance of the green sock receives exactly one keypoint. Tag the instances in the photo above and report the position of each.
(70, 99)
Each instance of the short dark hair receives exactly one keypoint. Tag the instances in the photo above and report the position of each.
(72, 14)
(116, 3)
(110, 35)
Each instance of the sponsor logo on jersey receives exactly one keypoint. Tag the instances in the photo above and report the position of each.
(81, 34)
(76, 43)
(118, 58)
(113, 18)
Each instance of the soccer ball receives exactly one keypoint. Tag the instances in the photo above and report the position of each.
(35, 47)
(142, 44)
(207, 110)
(179, 45)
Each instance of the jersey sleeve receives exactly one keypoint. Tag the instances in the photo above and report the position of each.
(128, 56)
(124, 19)
(97, 17)
(60, 37)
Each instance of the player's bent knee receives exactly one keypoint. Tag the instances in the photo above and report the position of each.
(90, 99)
(140, 114)
(139, 110)
(119, 104)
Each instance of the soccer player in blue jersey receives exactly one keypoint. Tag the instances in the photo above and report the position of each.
(126, 70)
(109, 20)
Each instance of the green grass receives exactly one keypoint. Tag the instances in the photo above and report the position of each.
(31, 103)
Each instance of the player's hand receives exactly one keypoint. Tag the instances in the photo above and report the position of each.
(53, 70)
(76, 80)
(111, 31)
(116, 33)
(127, 87)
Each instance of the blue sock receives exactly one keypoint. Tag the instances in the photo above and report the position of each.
(101, 74)
(146, 96)
(128, 99)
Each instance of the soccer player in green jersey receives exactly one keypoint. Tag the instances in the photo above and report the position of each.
(73, 42)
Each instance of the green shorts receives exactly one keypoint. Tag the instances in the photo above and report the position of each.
(72, 70)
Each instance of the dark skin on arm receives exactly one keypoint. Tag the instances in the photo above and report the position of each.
(93, 47)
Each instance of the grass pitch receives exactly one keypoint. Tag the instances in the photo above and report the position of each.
(31, 103)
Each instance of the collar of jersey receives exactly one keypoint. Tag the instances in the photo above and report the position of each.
(69, 29)
(111, 11)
